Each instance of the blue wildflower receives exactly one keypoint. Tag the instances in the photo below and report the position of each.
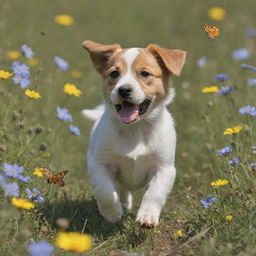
(225, 90)
(225, 151)
(3, 180)
(21, 79)
(34, 195)
(234, 161)
(241, 54)
(12, 170)
(220, 77)
(27, 51)
(21, 74)
(251, 81)
(209, 201)
(202, 62)
(23, 179)
(64, 115)
(75, 130)
(42, 248)
(11, 189)
(253, 165)
(254, 147)
(18, 67)
(248, 110)
(250, 67)
(61, 63)
(251, 32)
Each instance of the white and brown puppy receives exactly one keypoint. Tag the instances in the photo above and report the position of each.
(132, 143)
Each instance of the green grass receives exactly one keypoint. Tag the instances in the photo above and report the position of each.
(200, 122)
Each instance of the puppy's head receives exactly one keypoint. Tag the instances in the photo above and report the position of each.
(135, 80)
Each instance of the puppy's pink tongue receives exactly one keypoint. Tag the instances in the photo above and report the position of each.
(129, 112)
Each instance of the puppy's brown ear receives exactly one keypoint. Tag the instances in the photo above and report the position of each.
(100, 53)
(173, 60)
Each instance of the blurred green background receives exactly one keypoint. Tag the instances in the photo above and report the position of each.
(200, 119)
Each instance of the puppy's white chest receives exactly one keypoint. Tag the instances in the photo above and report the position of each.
(134, 170)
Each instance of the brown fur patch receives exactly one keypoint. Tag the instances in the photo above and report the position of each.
(156, 84)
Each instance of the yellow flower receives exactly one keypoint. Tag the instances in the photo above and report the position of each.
(216, 13)
(33, 62)
(5, 74)
(179, 233)
(219, 183)
(32, 94)
(233, 130)
(13, 55)
(210, 89)
(22, 203)
(38, 172)
(72, 241)
(229, 218)
(76, 74)
(71, 89)
(64, 20)
(46, 154)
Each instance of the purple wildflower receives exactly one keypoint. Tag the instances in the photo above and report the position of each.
(202, 62)
(27, 51)
(251, 81)
(23, 179)
(234, 161)
(75, 130)
(34, 195)
(42, 248)
(61, 63)
(253, 165)
(225, 90)
(220, 77)
(12, 170)
(208, 202)
(241, 54)
(64, 115)
(225, 151)
(248, 110)
(21, 74)
(250, 67)
(11, 189)
(22, 80)
(20, 68)
(3, 180)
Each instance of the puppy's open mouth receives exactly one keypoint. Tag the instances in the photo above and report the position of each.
(129, 112)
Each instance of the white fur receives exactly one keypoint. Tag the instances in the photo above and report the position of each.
(128, 79)
(122, 158)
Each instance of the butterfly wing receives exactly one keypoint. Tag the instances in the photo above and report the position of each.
(58, 178)
(48, 174)
(213, 31)
(206, 27)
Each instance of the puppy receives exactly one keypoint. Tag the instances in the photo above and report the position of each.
(132, 142)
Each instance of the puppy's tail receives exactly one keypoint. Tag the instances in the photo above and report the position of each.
(94, 114)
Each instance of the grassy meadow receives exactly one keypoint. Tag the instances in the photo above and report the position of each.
(32, 136)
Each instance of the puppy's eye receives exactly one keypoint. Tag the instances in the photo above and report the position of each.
(144, 74)
(114, 74)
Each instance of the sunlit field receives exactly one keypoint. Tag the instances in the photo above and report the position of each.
(47, 79)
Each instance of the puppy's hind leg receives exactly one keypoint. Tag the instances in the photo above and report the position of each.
(104, 191)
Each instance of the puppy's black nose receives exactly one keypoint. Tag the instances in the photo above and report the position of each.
(124, 91)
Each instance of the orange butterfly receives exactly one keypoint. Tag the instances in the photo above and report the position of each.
(55, 178)
(213, 31)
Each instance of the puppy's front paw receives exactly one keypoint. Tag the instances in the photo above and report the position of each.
(147, 219)
(111, 211)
